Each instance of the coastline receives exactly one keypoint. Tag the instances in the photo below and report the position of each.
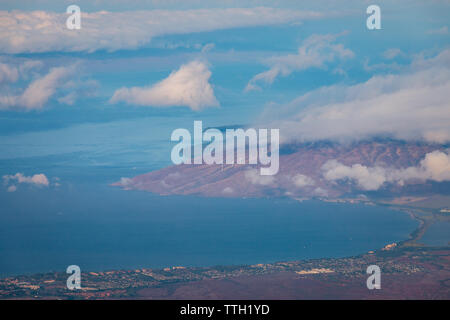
(316, 215)
(124, 283)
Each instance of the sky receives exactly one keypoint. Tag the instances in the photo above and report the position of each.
(99, 103)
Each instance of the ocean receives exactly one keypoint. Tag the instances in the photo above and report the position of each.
(107, 228)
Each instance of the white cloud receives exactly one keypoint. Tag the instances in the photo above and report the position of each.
(301, 180)
(65, 84)
(188, 86)
(315, 52)
(253, 176)
(38, 91)
(39, 31)
(126, 183)
(412, 105)
(366, 178)
(227, 190)
(320, 192)
(39, 180)
(12, 69)
(434, 167)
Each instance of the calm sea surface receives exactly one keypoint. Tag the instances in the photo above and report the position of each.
(113, 229)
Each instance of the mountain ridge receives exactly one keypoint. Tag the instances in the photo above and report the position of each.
(301, 172)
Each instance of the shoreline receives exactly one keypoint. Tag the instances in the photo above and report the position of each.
(403, 262)
(412, 237)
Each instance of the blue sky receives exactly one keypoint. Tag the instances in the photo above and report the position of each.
(68, 125)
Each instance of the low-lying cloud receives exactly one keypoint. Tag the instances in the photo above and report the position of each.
(300, 180)
(434, 167)
(12, 181)
(411, 105)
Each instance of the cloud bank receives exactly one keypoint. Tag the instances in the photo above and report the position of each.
(434, 167)
(188, 86)
(40, 31)
(411, 105)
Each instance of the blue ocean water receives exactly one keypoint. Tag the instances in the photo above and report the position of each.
(112, 229)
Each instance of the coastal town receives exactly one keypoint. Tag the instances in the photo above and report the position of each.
(405, 264)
